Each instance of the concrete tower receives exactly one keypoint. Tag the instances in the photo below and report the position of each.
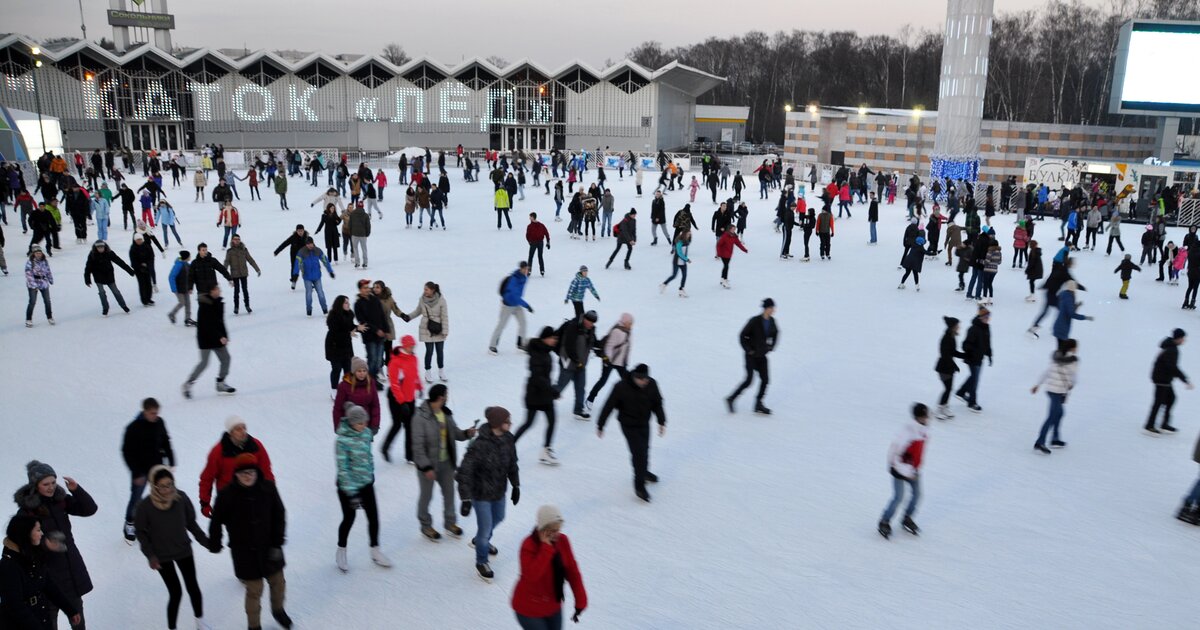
(961, 89)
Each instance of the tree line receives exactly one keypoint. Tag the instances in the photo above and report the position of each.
(1053, 64)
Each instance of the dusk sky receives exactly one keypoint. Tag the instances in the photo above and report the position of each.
(451, 31)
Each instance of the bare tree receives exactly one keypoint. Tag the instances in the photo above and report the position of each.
(649, 54)
(498, 61)
(395, 54)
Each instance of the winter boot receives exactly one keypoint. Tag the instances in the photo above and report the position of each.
(281, 617)
(642, 494)
(485, 572)
(431, 534)
(885, 529)
(224, 388)
(548, 457)
(910, 526)
(454, 530)
(378, 558)
(340, 558)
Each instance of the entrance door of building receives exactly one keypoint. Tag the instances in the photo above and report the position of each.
(529, 139)
(1149, 185)
(154, 136)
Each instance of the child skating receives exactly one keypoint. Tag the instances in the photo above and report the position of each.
(1126, 269)
(904, 464)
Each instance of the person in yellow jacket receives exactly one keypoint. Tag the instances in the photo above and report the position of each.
(502, 207)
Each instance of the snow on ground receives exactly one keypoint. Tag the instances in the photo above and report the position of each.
(757, 522)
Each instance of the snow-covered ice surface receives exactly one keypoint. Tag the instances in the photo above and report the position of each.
(757, 522)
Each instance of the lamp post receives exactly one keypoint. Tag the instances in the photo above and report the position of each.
(37, 98)
(917, 111)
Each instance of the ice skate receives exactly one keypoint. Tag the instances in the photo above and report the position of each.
(379, 559)
(900, 286)
(492, 351)
(724, 283)
(944, 413)
(340, 559)
(885, 529)
(1033, 330)
(442, 376)
(975, 408)
(1189, 515)
(1057, 444)
(761, 410)
(453, 530)
(224, 388)
(910, 527)
(186, 388)
(431, 534)
(548, 457)
(428, 377)
(1041, 448)
(281, 617)
(1166, 428)
(729, 404)
(485, 572)
(1031, 298)
(582, 415)
(492, 551)
(130, 533)
(29, 323)
(201, 624)
(682, 293)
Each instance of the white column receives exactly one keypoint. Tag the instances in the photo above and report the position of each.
(963, 80)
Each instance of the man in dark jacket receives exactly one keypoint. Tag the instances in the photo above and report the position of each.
(658, 218)
(1166, 370)
(146, 445)
(205, 269)
(787, 223)
(250, 508)
(577, 340)
(635, 398)
(127, 198)
(294, 242)
(99, 267)
(976, 346)
(483, 477)
(758, 338)
(212, 338)
(141, 256)
(626, 236)
(369, 312)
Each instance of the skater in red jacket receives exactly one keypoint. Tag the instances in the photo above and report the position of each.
(220, 466)
(904, 463)
(725, 246)
(547, 562)
(404, 381)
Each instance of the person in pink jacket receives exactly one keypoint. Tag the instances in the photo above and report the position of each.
(359, 388)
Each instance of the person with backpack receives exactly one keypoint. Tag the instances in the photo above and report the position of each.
(681, 221)
(487, 469)
(614, 348)
(512, 290)
(626, 233)
(904, 464)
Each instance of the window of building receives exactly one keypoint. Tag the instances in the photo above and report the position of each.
(578, 80)
(476, 78)
(318, 74)
(629, 81)
(263, 72)
(423, 76)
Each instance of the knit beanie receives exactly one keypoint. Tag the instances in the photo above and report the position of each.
(358, 363)
(496, 416)
(951, 322)
(245, 461)
(233, 421)
(1178, 334)
(355, 414)
(548, 515)
(38, 471)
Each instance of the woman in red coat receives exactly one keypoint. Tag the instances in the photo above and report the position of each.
(359, 388)
(546, 562)
(725, 246)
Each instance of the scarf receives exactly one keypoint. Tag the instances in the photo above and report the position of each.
(162, 499)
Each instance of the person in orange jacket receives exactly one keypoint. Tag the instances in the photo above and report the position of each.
(546, 562)
(404, 381)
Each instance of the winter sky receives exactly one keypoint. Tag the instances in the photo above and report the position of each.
(514, 29)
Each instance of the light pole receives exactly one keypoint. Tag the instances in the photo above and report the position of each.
(37, 98)
(917, 111)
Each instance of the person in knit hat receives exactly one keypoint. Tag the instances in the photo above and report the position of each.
(635, 399)
(42, 498)
(356, 482)
(547, 561)
(250, 508)
(946, 367)
(218, 470)
(488, 467)
(615, 348)
(162, 522)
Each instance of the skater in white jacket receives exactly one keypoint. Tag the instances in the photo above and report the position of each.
(904, 464)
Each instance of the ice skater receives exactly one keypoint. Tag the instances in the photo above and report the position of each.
(1166, 370)
(1058, 380)
(904, 464)
(758, 338)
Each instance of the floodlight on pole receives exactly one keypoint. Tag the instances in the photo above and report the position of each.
(37, 97)
(812, 109)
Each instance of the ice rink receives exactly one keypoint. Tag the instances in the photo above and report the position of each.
(757, 522)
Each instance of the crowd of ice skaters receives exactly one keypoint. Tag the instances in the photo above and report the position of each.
(44, 572)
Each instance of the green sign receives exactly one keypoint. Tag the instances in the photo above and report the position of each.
(141, 19)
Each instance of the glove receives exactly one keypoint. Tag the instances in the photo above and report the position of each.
(547, 246)
(332, 275)
(516, 494)
(275, 554)
(575, 617)
(465, 510)
(206, 510)
(294, 278)
(564, 301)
(528, 308)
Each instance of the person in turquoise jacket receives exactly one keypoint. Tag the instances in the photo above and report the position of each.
(356, 482)
(579, 286)
(100, 208)
(308, 265)
(165, 215)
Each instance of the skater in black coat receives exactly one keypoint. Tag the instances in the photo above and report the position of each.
(635, 399)
(251, 510)
(1166, 370)
(141, 257)
(293, 242)
(946, 367)
(29, 599)
(212, 338)
(43, 499)
(146, 445)
(914, 259)
(99, 267)
(758, 338)
(1033, 269)
(976, 346)
(204, 270)
(539, 389)
(339, 348)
